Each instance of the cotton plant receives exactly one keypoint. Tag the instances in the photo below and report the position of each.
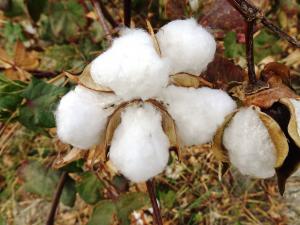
(143, 97)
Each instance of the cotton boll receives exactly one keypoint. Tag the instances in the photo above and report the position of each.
(197, 112)
(188, 46)
(296, 104)
(81, 116)
(250, 147)
(140, 148)
(194, 4)
(131, 67)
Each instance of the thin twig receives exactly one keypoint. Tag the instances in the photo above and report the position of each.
(57, 194)
(156, 211)
(107, 15)
(250, 12)
(102, 20)
(127, 12)
(249, 51)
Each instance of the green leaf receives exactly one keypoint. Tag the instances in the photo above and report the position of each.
(41, 99)
(128, 203)
(10, 97)
(106, 211)
(265, 44)
(232, 48)
(35, 8)
(103, 213)
(68, 196)
(90, 188)
(66, 18)
(2, 220)
(39, 180)
(12, 32)
(16, 8)
(168, 198)
(61, 57)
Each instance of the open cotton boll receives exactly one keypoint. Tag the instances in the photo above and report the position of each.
(188, 46)
(81, 116)
(197, 112)
(250, 147)
(131, 67)
(140, 148)
(296, 104)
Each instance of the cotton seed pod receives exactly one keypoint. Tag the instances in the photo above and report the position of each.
(252, 141)
(168, 124)
(197, 112)
(139, 147)
(81, 116)
(131, 67)
(187, 45)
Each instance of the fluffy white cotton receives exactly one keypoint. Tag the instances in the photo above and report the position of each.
(140, 148)
(296, 104)
(197, 112)
(81, 116)
(131, 67)
(249, 145)
(188, 46)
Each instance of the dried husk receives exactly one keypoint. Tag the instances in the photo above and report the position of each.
(189, 80)
(292, 126)
(86, 80)
(73, 155)
(276, 134)
(218, 148)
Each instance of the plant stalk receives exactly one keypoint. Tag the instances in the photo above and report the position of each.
(156, 211)
(127, 13)
(249, 51)
(56, 197)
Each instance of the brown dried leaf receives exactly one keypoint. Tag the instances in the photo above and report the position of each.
(266, 98)
(73, 155)
(278, 138)
(275, 72)
(189, 80)
(86, 80)
(222, 72)
(23, 59)
(292, 126)
(219, 151)
(219, 14)
(174, 9)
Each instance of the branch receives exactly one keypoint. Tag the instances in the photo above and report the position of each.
(127, 12)
(102, 20)
(249, 51)
(57, 194)
(251, 13)
(156, 211)
(107, 15)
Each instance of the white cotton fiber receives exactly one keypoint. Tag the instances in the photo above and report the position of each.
(197, 112)
(188, 46)
(296, 104)
(81, 116)
(131, 67)
(249, 145)
(140, 148)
